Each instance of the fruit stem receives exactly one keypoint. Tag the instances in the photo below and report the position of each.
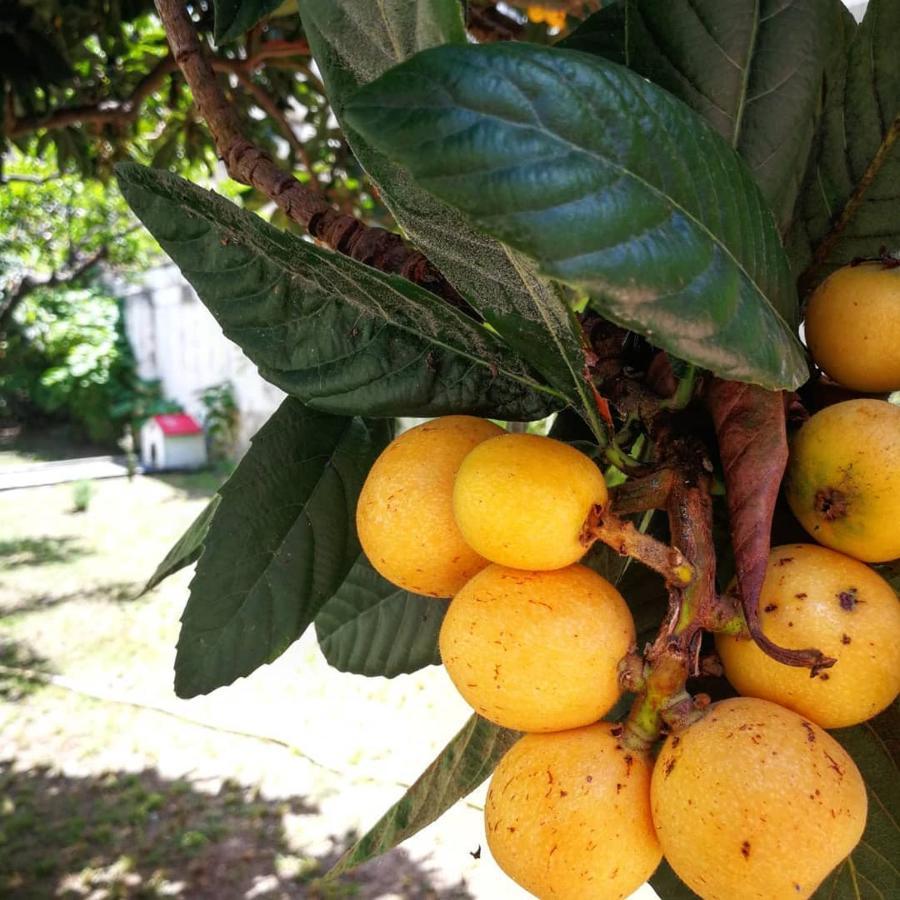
(684, 392)
(639, 494)
(674, 655)
(620, 534)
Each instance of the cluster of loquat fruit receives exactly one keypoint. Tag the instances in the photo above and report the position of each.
(752, 800)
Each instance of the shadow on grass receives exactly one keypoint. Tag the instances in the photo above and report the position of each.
(138, 835)
(108, 592)
(18, 655)
(49, 443)
(27, 551)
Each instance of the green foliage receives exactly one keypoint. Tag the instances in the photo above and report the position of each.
(848, 205)
(653, 215)
(47, 217)
(752, 70)
(531, 315)
(372, 627)
(220, 419)
(459, 768)
(336, 334)
(67, 356)
(280, 543)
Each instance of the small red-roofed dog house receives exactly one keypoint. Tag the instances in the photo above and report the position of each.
(172, 441)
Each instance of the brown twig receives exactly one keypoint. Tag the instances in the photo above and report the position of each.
(674, 655)
(620, 534)
(249, 165)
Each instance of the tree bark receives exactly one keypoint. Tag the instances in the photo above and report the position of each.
(249, 165)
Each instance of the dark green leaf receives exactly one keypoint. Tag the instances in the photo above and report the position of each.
(461, 766)
(871, 871)
(610, 184)
(668, 885)
(187, 549)
(602, 33)
(372, 627)
(338, 335)
(280, 543)
(353, 45)
(848, 207)
(752, 70)
(234, 17)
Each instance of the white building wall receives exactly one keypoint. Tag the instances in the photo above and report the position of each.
(176, 340)
(185, 451)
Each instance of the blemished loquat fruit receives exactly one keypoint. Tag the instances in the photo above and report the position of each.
(853, 326)
(537, 651)
(843, 478)
(814, 597)
(753, 802)
(521, 500)
(404, 516)
(568, 815)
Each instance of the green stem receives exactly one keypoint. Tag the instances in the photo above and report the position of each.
(684, 392)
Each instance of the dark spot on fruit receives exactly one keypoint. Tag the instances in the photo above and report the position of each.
(675, 741)
(538, 603)
(771, 607)
(824, 676)
(831, 504)
(629, 760)
(511, 829)
(549, 777)
(589, 779)
(810, 733)
(796, 886)
(563, 793)
(745, 849)
(670, 765)
(784, 560)
(800, 596)
(553, 850)
(848, 599)
(615, 732)
(619, 787)
(845, 638)
(833, 763)
(790, 624)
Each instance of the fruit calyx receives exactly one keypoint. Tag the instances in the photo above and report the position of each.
(831, 504)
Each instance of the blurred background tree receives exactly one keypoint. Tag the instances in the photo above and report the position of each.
(86, 84)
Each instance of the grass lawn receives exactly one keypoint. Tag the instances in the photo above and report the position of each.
(111, 787)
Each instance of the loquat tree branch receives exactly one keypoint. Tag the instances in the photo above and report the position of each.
(249, 165)
(126, 111)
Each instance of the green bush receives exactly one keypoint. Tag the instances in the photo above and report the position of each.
(67, 358)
